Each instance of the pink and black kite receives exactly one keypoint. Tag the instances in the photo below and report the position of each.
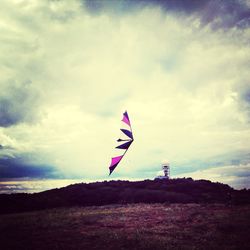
(125, 142)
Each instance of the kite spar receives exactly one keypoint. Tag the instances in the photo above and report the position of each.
(125, 143)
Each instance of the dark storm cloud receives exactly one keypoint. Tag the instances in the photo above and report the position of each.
(243, 97)
(246, 102)
(17, 168)
(5, 147)
(96, 6)
(220, 14)
(18, 103)
(226, 14)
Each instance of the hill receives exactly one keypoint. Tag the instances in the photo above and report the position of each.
(185, 190)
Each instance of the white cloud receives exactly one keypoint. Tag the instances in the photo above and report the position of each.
(179, 82)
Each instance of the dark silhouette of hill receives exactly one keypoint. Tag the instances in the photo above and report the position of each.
(185, 190)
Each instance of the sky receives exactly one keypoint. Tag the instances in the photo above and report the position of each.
(69, 69)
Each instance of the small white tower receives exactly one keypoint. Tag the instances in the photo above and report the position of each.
(166, 169)
(165, 173)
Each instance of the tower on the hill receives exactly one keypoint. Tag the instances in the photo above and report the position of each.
(165, 173)
(166, 169)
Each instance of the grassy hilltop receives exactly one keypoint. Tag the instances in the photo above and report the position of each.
(171, 191)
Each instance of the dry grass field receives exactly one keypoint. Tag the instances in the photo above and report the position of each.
(133, 226)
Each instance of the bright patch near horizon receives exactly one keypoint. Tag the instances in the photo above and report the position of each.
(69, 75)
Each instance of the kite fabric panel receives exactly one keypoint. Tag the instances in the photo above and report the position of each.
(124, 146)
(126, 118)
(127, 133)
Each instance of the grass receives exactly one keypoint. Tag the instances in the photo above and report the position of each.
(134, 226)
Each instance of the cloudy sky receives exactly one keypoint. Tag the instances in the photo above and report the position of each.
(69, 69)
